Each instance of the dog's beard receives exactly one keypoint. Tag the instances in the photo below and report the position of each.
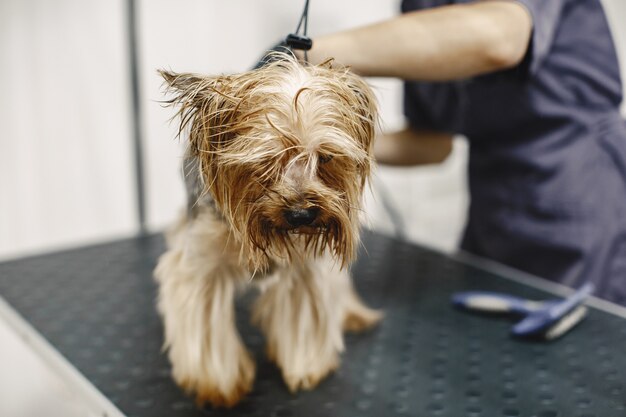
(255, 214)
(268, 236)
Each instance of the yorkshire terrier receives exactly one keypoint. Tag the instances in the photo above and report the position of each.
(277, 161)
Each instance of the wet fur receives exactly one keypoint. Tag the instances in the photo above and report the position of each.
(283, 136)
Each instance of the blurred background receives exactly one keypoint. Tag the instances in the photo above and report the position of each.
(67, 125)
(66, 117)
(66, 152)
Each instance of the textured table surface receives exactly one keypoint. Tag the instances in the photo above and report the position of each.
(96, 306)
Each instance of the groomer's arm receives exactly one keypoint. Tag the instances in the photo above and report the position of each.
(443, 43)
(408, 147)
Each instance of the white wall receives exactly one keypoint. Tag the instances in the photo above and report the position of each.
(64, 137)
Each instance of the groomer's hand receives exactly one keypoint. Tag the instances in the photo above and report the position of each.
(408, 148)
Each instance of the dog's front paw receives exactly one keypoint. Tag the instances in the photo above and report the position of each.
(307, 377)
(222, 386)
(361, 319)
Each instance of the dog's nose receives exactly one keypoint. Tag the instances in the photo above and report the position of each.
(301, 217)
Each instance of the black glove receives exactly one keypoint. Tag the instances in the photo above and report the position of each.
(290, 43)
(269, 57)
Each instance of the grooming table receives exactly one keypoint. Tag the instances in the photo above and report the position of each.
(96, 307)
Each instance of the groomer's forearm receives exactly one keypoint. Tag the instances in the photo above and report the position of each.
(407, 147)
(442, 43)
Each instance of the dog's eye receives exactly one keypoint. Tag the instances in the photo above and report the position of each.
(324, 158)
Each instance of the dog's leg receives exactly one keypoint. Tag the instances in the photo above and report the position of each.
(302, 323)
(303, 314)
(196, 301)
(357, 316)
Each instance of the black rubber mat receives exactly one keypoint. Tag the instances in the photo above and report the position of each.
(96, 305)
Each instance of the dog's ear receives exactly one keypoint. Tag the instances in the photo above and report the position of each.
(362, 101)
(365, 106)
(205, 106)
(181, 82)
(189, 89)
(363, 119)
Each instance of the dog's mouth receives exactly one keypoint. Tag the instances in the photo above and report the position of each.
(306, 230)
(281, 228)
(276, 237)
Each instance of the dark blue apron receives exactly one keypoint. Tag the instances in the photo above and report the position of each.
(547, 163)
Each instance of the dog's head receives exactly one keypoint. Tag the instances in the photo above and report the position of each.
(285, 152)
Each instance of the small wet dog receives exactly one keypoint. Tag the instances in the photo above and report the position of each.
(277, 161)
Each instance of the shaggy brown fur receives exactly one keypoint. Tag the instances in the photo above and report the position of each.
(262, 144)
